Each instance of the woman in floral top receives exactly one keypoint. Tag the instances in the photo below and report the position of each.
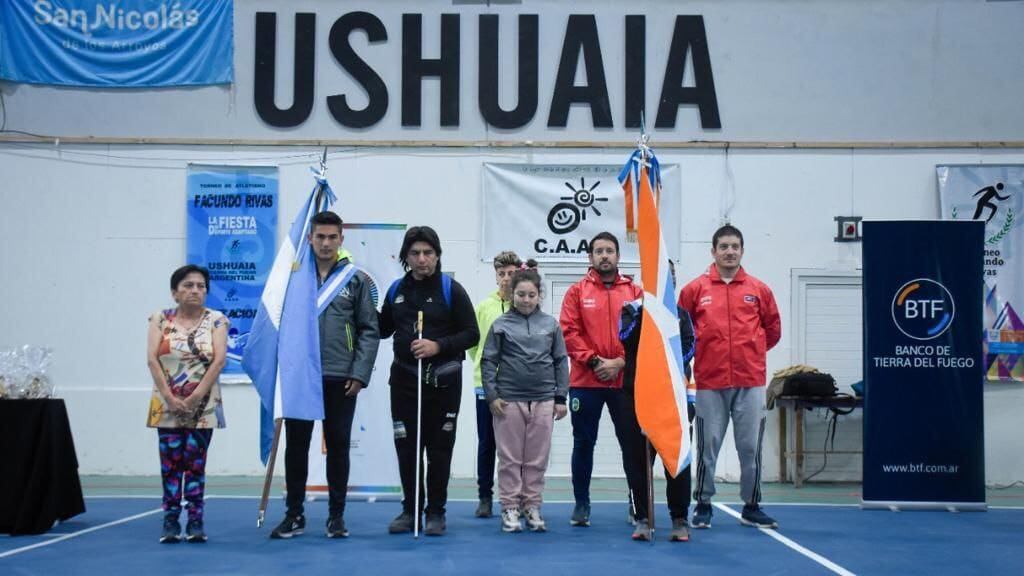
(186, 352)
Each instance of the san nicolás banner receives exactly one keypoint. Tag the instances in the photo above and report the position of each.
(232, 230)
(127, 43)
(550, 212)
(994, 194)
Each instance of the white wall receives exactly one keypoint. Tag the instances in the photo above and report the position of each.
(91, 234)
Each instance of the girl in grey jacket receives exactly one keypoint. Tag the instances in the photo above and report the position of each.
(525, 373)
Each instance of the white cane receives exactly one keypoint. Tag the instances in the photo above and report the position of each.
(419, 426)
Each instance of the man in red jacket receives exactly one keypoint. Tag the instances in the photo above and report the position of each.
(590, 324)
(736, 321)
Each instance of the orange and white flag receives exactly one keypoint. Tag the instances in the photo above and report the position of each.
(661, 387)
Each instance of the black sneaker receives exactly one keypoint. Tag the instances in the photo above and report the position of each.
(290, 526)
(194, 532)
(436, 525)
(172, 531)
(754, 516)
(580, 515)
(485, 509)
(336, 527)
(402, 523)
(702, 515)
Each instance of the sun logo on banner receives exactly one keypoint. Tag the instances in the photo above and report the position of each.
(568, 214)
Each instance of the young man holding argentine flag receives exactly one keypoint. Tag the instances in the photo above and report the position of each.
(349, 338)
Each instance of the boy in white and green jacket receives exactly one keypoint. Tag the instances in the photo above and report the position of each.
(497, 303)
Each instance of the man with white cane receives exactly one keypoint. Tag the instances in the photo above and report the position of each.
(419, 422)
(432, 320)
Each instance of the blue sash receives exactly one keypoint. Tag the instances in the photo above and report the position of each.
(334, 284)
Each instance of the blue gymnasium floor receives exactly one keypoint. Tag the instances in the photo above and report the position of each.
(119, 536)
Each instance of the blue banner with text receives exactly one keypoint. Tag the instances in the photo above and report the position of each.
(127, 43)
(923, 364)
(232, 230)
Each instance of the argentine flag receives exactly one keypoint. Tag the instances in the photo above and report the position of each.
(282, 356)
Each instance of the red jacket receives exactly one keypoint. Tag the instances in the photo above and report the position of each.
(590, 324)
(736, 324)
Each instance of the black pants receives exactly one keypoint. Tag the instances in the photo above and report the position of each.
(339, 410)
(440, 413)
(485, 449)
(677, 490)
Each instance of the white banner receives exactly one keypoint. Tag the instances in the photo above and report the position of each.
(994, 194)
(550, 212)
(374, 466)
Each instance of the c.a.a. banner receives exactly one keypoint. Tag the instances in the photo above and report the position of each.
(550, 212)
(232, 230)
(128, 43)
(373, 464)
(923, 414)
(994, 194)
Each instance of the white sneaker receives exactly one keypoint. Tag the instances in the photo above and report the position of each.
(535, 521)
(510, 520)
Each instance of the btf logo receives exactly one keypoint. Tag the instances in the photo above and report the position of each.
(923, 309)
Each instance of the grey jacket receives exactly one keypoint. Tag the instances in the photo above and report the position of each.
(348, 331)
(524, 359)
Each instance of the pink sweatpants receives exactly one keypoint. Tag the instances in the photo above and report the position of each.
(523, 438)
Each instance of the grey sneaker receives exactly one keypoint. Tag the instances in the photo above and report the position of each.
(702, 515)
(510, 520)
(485, 509)
(435, 525)
(642, 532)
(290, 526)
(171, 533)
(754, 516)
(580, 515)
(534, 521)
(680, 530)
(336, 527)
(401, 524)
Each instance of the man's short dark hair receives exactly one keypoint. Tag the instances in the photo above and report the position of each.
(727, 230)
(419, 234)
(325, 219)
(603, 236)
(178, 275)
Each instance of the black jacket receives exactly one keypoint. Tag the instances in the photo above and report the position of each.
(452, 326)
(629, 332)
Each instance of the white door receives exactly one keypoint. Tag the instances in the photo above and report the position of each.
(827, 333)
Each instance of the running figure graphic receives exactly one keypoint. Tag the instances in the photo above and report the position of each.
(986, 201)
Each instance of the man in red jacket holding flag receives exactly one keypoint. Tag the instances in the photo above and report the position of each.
(736, 322)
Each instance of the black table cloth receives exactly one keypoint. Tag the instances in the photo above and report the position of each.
(39, 481)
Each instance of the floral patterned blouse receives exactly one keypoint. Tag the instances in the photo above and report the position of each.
(184, 356)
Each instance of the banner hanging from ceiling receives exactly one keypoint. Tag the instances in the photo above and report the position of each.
(124, 44)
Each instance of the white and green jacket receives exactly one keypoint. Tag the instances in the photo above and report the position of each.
(486, 313)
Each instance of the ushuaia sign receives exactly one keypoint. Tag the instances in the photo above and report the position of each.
(580, 47)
